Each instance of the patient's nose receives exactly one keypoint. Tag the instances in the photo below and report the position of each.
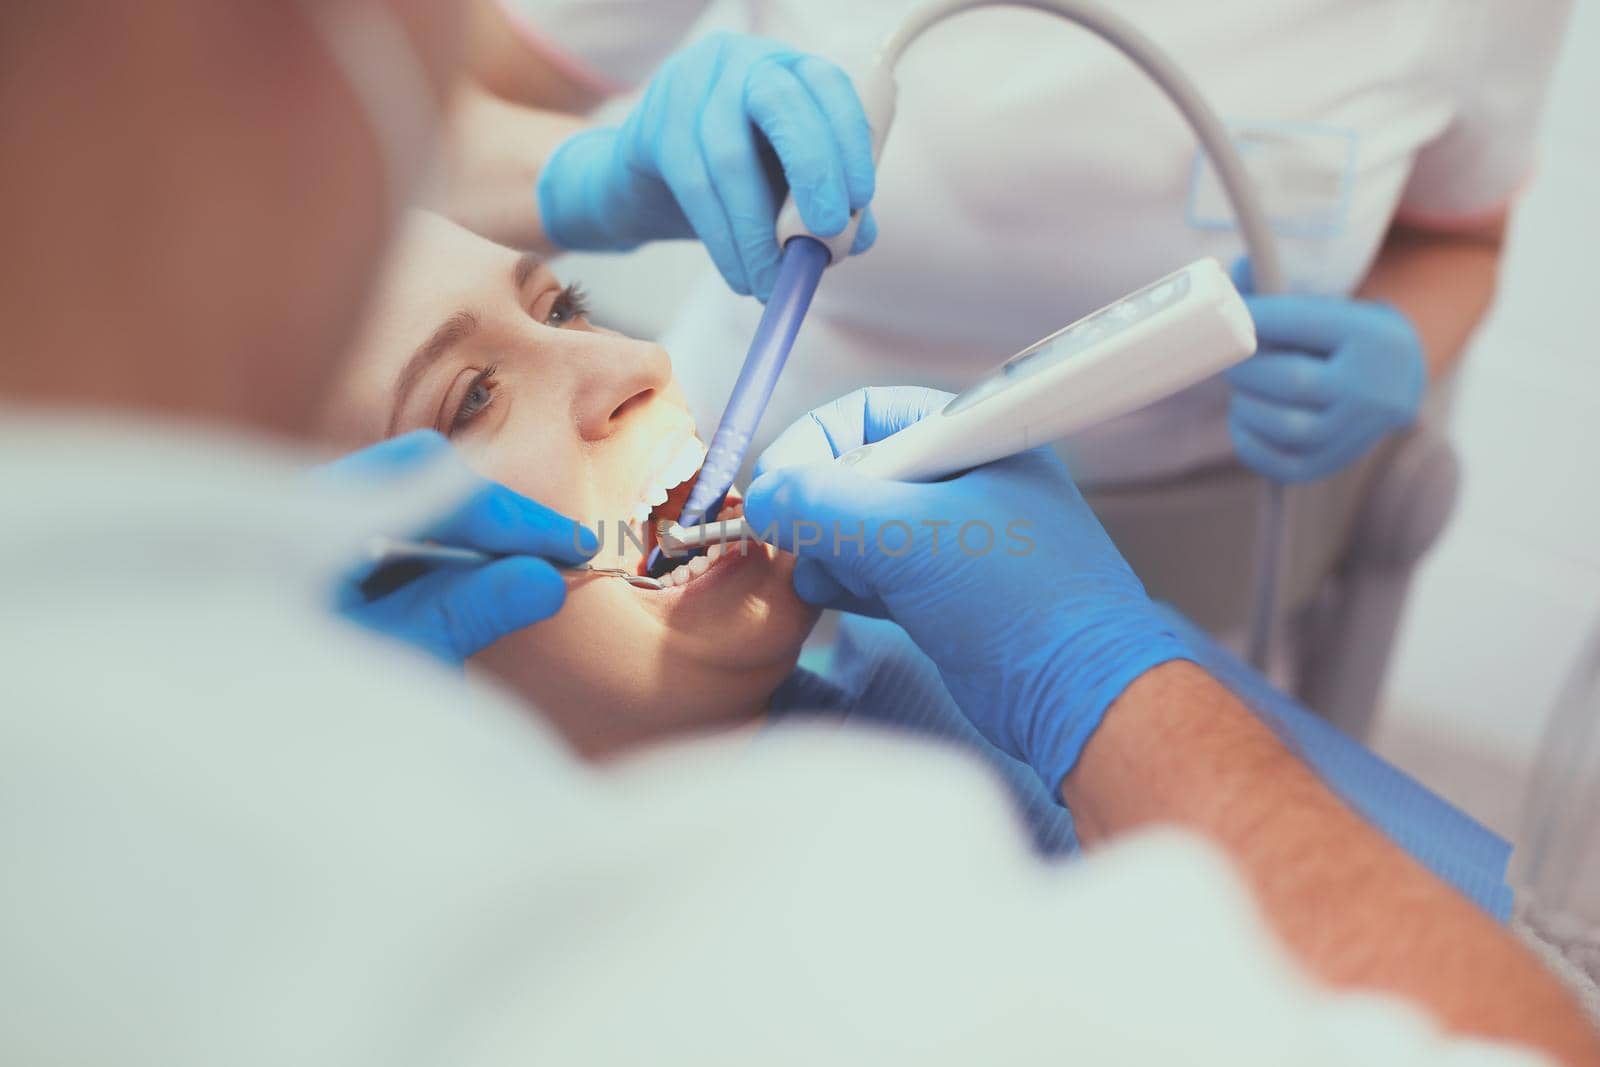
(620, 378)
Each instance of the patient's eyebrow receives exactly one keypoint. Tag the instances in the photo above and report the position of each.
(451, 332)
(526, 264)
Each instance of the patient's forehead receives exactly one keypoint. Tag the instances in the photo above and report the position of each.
(436, 269)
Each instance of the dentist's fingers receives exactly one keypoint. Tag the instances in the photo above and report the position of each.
(480, 605)
(486, 603)
(739, 180)
(839, 103)
(1287, 378)
(1266, 458)
(1292, 467)
(816, 586)
(1316, 324)
(860, 417)
(866, 233)
(683, 168)
(1293, 429)
(787, 114)
(499, 520)
(814, 508)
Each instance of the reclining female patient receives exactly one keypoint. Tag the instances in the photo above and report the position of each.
(485, 346)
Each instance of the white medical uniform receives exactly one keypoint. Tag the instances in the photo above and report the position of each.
(235, 831)
(1033, 174)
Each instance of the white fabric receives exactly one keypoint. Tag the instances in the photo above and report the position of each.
(236, 832)
(1033, 175)
(608, 58)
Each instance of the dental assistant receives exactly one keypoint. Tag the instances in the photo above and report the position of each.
(236, 829)
(1033, 175)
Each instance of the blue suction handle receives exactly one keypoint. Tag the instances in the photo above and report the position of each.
(799, 270)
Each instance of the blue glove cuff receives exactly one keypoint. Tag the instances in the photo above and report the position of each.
(1080, 686)
(1416, 363)
(571, 191)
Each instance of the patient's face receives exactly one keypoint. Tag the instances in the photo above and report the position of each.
(490, 350)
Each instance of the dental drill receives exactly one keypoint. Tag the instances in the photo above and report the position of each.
(802, 266)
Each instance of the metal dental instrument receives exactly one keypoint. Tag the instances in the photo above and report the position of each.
(1173, 333)
(387, 550)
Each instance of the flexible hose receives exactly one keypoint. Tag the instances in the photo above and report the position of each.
(1242, 197)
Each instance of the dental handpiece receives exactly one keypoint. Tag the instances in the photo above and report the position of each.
(1166, 337)
(799, 271)
(800, 266)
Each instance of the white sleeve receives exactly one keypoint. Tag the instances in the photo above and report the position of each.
(1474, 170)
(336, 860)
(847, 899)
(608, 46)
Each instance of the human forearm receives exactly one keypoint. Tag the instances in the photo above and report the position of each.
(1178, 749)
(495, 154)
(1443, 282)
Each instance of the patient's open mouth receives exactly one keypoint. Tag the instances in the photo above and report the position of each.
(661, 503)
(697, 566)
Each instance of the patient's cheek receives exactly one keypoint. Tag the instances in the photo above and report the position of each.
(524, 471)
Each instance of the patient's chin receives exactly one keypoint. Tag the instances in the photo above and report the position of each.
(612, 680)
(606, 726)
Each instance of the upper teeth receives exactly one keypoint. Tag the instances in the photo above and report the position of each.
(679, 467)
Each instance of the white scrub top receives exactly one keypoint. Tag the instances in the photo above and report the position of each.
(1033, 174)
(236, 831)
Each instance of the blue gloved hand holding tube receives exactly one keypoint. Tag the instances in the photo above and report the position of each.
(456, 611)
(1002, 576)
(706, 153)
(1331, 378)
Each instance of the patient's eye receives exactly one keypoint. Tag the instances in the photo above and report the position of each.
(571, 303)
(478, 395)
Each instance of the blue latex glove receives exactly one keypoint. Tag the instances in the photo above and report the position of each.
(455, 611)
(1034, 636)
(1330, 379)
(693, 159)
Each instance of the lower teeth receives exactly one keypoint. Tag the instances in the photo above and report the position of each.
(694, 568)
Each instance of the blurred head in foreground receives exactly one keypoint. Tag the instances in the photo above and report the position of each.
(194, 196)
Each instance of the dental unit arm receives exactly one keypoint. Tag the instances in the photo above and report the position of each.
(802, 265)
(1166, 337)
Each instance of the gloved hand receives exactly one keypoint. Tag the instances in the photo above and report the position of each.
(1003, 575)
(690, 161)
(455, 611)
(1331, 377)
